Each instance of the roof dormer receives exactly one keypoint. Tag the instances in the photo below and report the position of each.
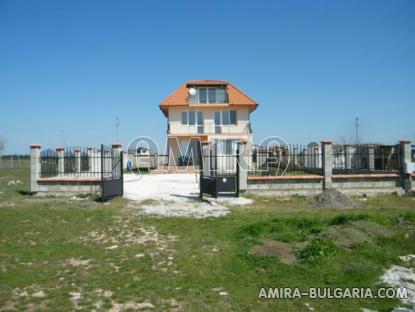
(209, 93)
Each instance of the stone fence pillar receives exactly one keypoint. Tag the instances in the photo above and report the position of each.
(327, 163)
(116, 156)
(125, 160)
(34, 167)
(61, 161)
(405, 155)
(295, 156)
(98, 160)
(319, 159)
(205, 160)
(371, 157)
(77, 161)
(204, 169)
(348, 156)
(243, 166)
(91, 160)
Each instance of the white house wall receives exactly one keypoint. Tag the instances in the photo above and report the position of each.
(176, 127)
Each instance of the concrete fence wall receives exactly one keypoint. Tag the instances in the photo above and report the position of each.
(80, 180)
(285, 185)
(399, 182)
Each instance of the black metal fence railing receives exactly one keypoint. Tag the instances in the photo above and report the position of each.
(365, 158)
(78, 162)
(219, 175)
(111, 172)
(291, 160)
(219, 165)
(48, 163)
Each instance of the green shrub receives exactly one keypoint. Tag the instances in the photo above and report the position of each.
(283, 229)
(317, 248)
(408, 216)
(347, 218)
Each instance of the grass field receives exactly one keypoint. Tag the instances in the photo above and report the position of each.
(63, 254)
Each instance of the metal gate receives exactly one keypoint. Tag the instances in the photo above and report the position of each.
(219, 173)
(111, 172)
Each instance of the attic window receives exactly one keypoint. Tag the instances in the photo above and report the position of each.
(209, 95)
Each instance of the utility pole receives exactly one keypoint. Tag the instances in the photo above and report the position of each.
(117, 125)
(356, 124)
(63, 138)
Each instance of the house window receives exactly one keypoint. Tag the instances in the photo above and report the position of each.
(199, 122)
(218, 122)
(202, 92)
(232, 117)
(184, 118)
(193, 118)
(226, 147)
(224, 118)
(212, 95)
(221, 95)
(209, 96)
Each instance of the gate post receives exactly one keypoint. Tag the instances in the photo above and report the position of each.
(405, 156)
(295, 155)
(101, 156)
(34, 167)
(348, 156)
(91, 160)
(77, 152)
(238, 172)
(61, 163)
(327, 163)
(201, 168)
(205, 166)
(243, 155)
(115, 159)
(371, 152)
(122, 171)
(215, 185)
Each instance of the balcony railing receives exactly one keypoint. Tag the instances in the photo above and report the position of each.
(208, 128)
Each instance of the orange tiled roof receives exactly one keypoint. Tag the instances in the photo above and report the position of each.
(180, 97)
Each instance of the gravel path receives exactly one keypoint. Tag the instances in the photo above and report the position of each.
(175, 195)
(169, 187)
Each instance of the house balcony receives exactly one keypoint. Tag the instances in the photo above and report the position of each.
(209, 128)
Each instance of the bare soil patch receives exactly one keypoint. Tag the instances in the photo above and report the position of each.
(130, 306)
(331, 198)
(76, 262)
(193, 209)
(278, 249)
(123, 234)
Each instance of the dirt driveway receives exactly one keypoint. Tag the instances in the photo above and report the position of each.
(175, 195)
(169, 187)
